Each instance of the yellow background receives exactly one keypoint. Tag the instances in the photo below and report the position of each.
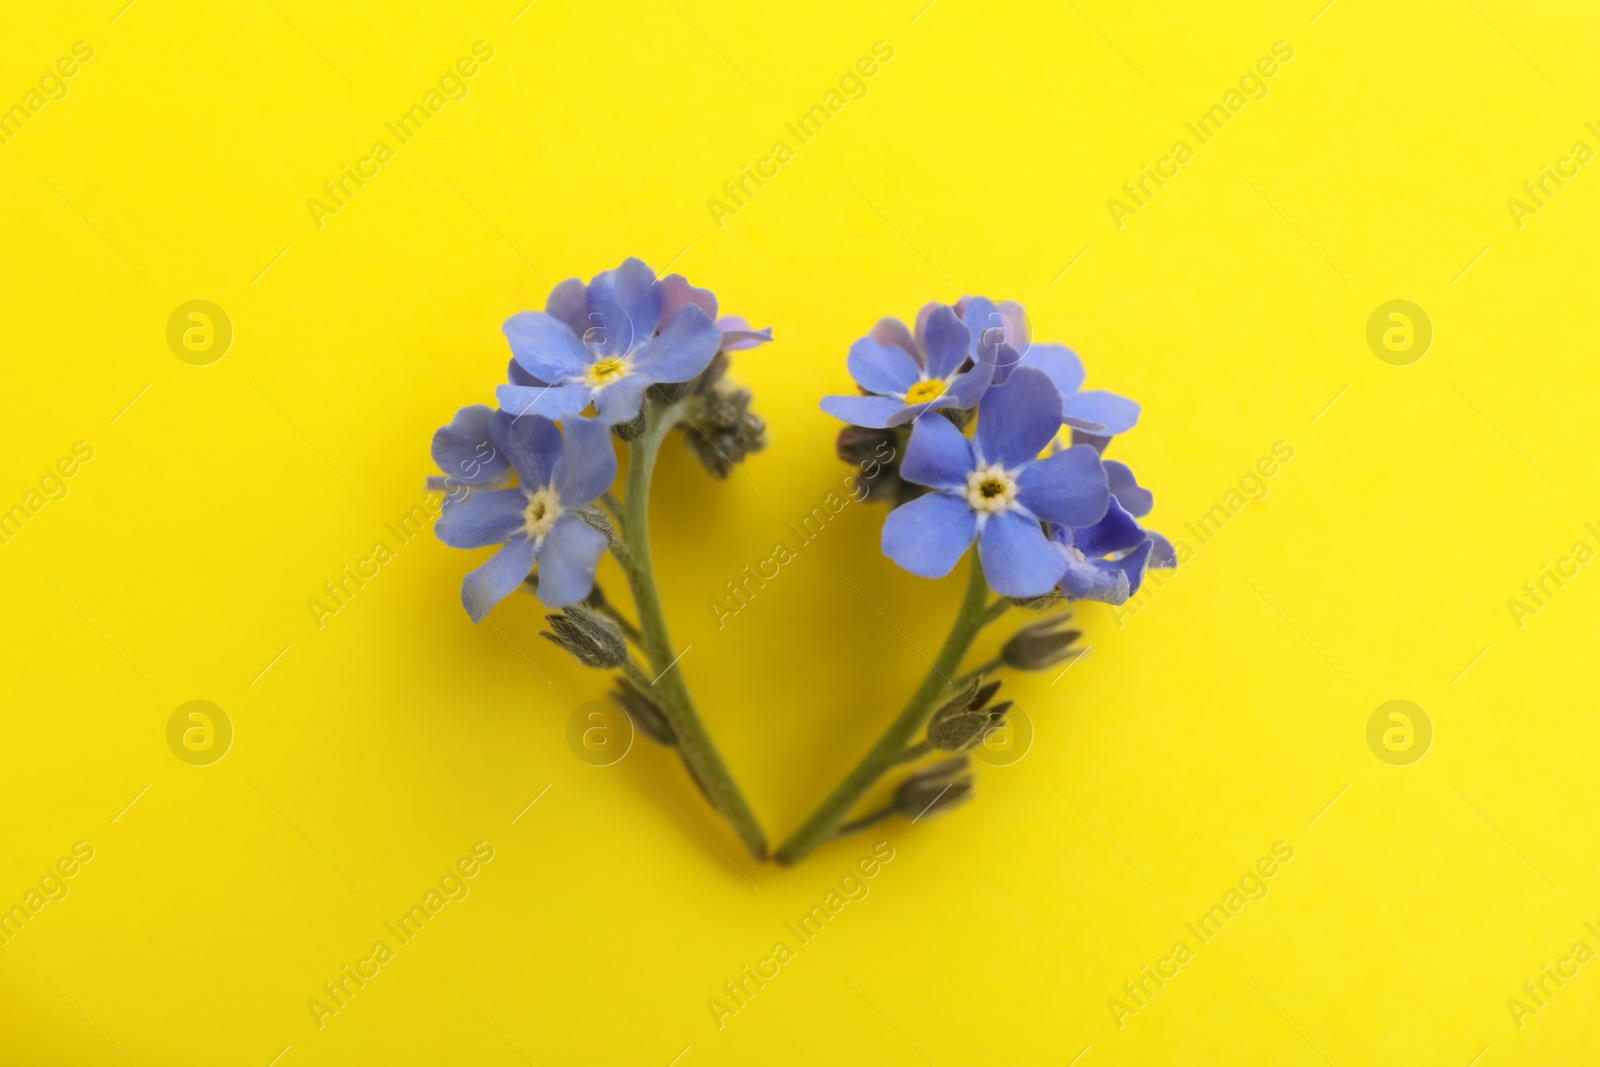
(1222, 717)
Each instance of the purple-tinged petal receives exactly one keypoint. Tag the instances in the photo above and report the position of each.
(966, 388)
(551, 401)
(1068, 488)
(1101, 580)
(1072, 421)
(682, 350)
(737, 334)
(628, 301)
(1117, 413)
(545, 346)
(1060, 363)
(945, 339)
(465, 450)
(937, 455)
(568, 556)
(1016, 420)
(517, 376)
(880, 368)
(1136, 499)
(588, 464)
(894, 332)
(619, 402)
(482, 517)
(1117, 532)
(568, 302)
(491, 583)
(676, 292)
(1134, 565)
(873, 412)
(532, 442)
(920, 326)
(930, 534)
(1018, 560)
(1162, 554)
(1098, 442)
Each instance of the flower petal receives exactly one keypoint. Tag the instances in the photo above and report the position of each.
(1136, 499)
(481, 517)
(568, 556)
(1067, 488)
(628, 301)
(1162, 553)
(1060, 363)
(894, 332)
(568, 302)
(550, 401)
(1117, 532)
(1117, 413)
(737, 334)
(619, 402)
(873, 412)
(532, 442)
(930, 534)
(1101, 580)
(945, 339)
(498, 578)
(880, 368)
(1016, 420)
(1134, 565)
(517, 376)
(966, 388)
(682, 350)
(545, 346)
(676, 292)
(465, 451)
(588, 464)
(1018, 560)
(937, 455)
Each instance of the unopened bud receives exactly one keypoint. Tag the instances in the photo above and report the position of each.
(938, 788)
(645, 713)
(594, 640)
(964, 721)
(725, 430)
(1040, 645)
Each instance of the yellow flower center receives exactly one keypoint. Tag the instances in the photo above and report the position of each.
(922, 392)
(602, 372)
(544, 507)
(990, 490)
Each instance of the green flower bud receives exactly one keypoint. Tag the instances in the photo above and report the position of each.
(964, 721)
(725, 430)
(937, 788)
(594, 640)
(1040, 645)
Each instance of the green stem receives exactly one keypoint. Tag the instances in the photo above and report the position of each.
(694, 744)
(823, 824)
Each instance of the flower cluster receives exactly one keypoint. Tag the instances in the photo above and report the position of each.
(1062, 523)
(580, 368)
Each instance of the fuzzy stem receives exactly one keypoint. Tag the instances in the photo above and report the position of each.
(694, 744)
(823, 824)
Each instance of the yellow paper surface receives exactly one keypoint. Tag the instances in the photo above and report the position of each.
(1402, 551)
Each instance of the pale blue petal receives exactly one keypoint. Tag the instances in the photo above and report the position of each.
(568, 301)
(481, 517)
(937, 455)
(945, 339)
(929, 535)
(1068, 488)
(1016, 420)
(465, 451)
(676, 292)
(1117, 413)
(588, 463)
(550, 401)
(568, 556)
(1018, 560)
(1117, 532)
(880, 368)
(682, 350)
(517, 376)
(873, 412)
(1129, 493)
(1060, 363)
(545, 346)
(533, 443)
(894, 332)
(619, 401)
(498, 578)
(627, 302)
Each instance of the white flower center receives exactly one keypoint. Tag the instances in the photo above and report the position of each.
(990, 490)
(544, 507)
(602, 372)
